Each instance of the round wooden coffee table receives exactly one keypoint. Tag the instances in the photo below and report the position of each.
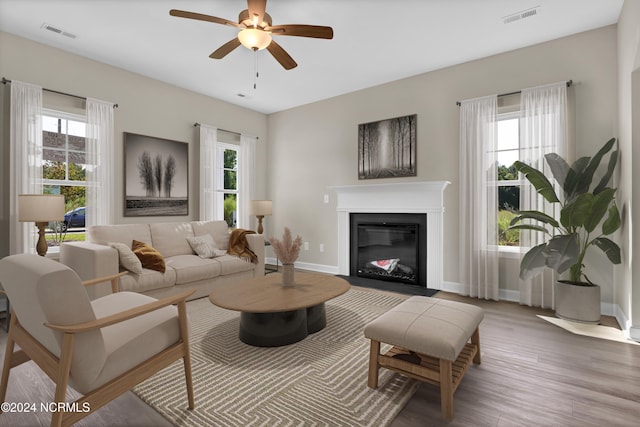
(273, 315)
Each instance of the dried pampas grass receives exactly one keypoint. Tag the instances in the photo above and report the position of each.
(287, 249)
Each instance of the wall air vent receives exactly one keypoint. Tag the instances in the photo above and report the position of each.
(56, 30)
(527, 13)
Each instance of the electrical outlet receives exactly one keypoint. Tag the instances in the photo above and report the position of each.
(306, 246)
(326, 198)
(321, 247)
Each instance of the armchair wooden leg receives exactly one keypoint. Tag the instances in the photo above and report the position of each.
(62, 381)
(184, 333)
(7, 365)
(374, 353)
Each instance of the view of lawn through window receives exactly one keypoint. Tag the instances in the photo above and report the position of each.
(64, 172)
(229, 190)
(508, 182)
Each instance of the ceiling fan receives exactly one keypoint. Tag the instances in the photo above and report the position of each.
(256, 29)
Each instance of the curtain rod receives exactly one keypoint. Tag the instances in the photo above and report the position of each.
(5, 81)
(196, 124)
(569, 83)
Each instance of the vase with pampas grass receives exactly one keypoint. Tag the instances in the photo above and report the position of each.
(287, 251)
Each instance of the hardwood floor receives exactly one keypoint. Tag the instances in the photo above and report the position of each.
(536, 374)
(532, 374)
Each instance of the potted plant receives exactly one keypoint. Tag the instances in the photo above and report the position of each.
(586, 217)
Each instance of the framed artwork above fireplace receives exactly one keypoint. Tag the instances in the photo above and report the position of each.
(387, 148)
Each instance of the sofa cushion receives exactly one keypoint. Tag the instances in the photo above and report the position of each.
(219, 230)
(205, 246)
(190, 268)
(127, 258)
(121, 233)
(170, 238)
(148, 280)
(231, 264)
(149, 256)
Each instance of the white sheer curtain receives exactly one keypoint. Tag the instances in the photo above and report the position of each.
(246, 179)
(25, 136)
(208, 141)
(478, 197)
(99, 140)
(543, 130)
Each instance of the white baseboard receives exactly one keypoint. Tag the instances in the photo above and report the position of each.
(504, 295)
(320, 268)
(454, 287)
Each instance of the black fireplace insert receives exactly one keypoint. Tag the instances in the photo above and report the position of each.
(389, 246)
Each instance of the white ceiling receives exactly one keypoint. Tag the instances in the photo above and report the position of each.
(375, 41)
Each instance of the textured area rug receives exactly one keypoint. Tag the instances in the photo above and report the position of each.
(321, 380)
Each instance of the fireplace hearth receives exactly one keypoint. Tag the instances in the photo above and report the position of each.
(389, 246)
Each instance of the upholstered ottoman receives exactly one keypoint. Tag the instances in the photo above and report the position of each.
(430, 339)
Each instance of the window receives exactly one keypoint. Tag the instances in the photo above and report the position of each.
(508, 181)
(64, 172)
(227, 183)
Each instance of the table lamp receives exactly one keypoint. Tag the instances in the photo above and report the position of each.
(260, 208)
(40, 208)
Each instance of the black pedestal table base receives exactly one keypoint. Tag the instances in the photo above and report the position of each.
(281, 328)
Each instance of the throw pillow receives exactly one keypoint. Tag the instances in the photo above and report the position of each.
(149, 256)
(205, 246)
(128, 259)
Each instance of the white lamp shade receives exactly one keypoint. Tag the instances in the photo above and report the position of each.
(40, 207)
(260, 207)
(253, 38)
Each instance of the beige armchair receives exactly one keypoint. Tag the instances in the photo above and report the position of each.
(101, 348)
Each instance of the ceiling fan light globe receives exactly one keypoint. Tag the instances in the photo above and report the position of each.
(254, 39)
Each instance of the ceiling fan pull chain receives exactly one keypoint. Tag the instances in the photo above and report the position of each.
(255, 66)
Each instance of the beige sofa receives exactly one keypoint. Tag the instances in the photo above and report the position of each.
(184, 269)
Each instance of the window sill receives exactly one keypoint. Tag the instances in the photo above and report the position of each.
(511, 252)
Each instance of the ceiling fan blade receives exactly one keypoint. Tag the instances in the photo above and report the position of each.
(256, 10)
(281, 55)
(225, 49)
(315, 31)
(201, 17)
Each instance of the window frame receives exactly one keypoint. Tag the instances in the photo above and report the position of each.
(505, 250)
(66, 116)
(57, 114)
(220, 169)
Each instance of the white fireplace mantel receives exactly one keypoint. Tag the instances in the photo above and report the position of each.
(404, 197)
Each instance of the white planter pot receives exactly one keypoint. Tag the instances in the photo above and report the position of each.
(578, 303)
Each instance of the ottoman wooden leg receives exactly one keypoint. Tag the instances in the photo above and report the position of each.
(475, 339)
(446, 389)
(373, 364)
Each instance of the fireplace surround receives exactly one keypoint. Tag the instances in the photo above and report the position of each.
(416, 197)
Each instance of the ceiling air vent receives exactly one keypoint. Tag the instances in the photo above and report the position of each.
(56, 30)
(527, 13)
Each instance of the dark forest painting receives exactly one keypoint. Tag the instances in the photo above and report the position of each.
(387, 148)
(156, 176)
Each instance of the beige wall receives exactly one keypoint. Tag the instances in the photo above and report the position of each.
(627, 296)
(146, 107)
(313, 147)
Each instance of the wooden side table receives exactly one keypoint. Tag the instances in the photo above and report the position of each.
(270, 270)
